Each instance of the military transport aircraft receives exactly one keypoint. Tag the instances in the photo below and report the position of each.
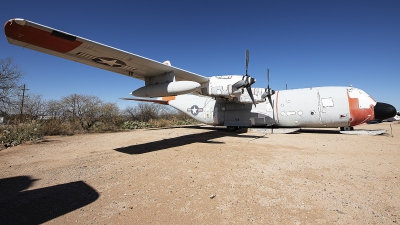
(228, 100)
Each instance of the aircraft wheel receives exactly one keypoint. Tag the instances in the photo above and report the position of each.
(232, 128)
(346, 128)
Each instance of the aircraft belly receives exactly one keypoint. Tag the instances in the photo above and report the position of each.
(237, 118)
(245, 115)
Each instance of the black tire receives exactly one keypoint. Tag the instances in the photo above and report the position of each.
(232, 128)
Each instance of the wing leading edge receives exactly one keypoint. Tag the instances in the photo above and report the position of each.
(38, 37)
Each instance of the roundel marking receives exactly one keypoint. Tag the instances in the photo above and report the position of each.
(194, 110)
(109, 61)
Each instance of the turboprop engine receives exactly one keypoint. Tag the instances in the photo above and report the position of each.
(166, 89)
(233, 88)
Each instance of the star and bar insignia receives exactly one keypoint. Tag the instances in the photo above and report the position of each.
(195, 110)
(109, 61)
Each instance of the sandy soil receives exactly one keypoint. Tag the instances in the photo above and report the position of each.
(203, 175)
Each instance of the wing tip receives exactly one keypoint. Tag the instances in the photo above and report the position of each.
(18, 21)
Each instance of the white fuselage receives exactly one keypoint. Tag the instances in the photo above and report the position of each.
(307, 107)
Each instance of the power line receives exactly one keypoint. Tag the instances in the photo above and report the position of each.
(23, 98)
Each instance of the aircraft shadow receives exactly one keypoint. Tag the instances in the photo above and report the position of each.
(40, 205)
(318, 131)
(205, 137)
(200, 127)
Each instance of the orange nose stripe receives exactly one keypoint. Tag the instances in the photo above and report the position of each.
(359, 115)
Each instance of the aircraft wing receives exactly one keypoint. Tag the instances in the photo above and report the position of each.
(58, 43)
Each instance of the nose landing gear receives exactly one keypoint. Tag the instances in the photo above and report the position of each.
(346, 128)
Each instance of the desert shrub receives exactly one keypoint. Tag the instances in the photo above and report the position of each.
(188, 121)
(99, 127)
(156, 123)
(172, 121)
(130, 125)
(59, 127)
(14, 135)
(160, 122)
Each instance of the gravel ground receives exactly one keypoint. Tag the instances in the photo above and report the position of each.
(204, 175)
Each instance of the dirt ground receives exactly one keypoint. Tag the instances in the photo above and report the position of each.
(204, 175)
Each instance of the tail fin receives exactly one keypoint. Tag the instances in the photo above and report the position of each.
(167, 62)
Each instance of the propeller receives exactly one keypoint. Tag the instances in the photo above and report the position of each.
(268, 92)
(246, 81)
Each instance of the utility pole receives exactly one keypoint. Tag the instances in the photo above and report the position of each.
(22, 103)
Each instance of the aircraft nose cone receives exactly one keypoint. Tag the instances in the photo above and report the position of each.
(384, 111)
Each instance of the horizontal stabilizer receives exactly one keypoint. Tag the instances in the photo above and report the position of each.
(163, 100)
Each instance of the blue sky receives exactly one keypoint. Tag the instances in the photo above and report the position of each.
(303, 43)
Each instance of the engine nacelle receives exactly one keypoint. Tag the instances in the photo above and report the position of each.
(223, 87)
(166, 89)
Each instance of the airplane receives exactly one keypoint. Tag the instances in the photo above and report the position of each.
(395, 118)
(228, 100)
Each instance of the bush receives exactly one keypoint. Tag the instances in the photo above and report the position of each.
(99, 127)
(130, 125)
(156, 123)
(16, 134)
(58, 127)
(161, 122)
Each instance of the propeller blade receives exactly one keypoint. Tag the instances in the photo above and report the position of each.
(247, 60)
(270, 102)
(246, 81)
(273, 113)
(268, 91)
(251, 95)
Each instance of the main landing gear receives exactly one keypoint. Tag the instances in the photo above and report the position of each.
(232, 128)
(346, 128)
